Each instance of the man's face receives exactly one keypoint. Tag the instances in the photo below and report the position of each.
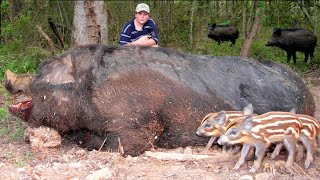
(142, 17)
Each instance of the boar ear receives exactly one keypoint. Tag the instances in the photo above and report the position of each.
(293, 110)
(221, 117)
(247, 124)
(213, 25)
(10, 75)
(277, 31)
(248, 110)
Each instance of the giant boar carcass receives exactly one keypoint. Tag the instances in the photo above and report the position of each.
(140, 97)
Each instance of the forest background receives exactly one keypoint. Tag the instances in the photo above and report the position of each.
(183, 25)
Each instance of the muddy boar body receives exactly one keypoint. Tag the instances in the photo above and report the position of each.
(292, 40)
(137, 98)
(222, 33)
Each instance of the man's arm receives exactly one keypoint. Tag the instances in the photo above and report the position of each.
(148, 40)
(154, 33)
(125, 36)
(143, 41)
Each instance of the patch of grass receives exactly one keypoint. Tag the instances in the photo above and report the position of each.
(22, 62)
(3, 118)
(4, 131)
(22, 162)
(18, 133)
(3, 113)
(10, 127)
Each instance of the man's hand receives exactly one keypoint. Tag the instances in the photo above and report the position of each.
(143, 41)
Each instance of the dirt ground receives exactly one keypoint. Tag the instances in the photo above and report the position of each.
(19, 161)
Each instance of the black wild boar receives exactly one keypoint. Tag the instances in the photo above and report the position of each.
(223, 33)
(139, 97)
(292, 40)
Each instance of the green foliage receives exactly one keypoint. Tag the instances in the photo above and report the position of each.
(10, 126)
(224, 49)
(23, 48)
(24, 62)
(3, 113)
(226, 22)
(4, 131)
(19, 53)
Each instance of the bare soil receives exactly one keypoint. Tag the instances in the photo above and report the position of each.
(19, 161)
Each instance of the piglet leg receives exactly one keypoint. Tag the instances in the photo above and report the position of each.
(244, 153)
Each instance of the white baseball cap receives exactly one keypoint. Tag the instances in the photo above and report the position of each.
(143, 7)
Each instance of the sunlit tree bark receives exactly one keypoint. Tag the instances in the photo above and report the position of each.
(253, 32)
(90, 22)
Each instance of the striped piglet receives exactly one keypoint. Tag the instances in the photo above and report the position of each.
(214, 124)
(260, 132)
(309, 137)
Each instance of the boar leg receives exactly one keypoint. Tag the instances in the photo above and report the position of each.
(260, 153)
(306, 55)
(294, 56)
(244, 153)
(311, 57)
(288, 57)
(129, 143)
(233, 41)
(290, 143)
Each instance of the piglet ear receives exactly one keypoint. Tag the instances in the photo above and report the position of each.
(293, 110)
(248, 123)
(221, 117)
(248, 110)
(213, 25)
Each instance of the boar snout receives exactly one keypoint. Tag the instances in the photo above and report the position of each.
(268, 43)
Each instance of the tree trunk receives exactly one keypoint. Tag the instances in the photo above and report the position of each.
(90, 22)
(217, 8)
(16, 7)
(244, 19)
(251, 17)
(253, 32)
(193, 7)
(51, 46)
(306, 14)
